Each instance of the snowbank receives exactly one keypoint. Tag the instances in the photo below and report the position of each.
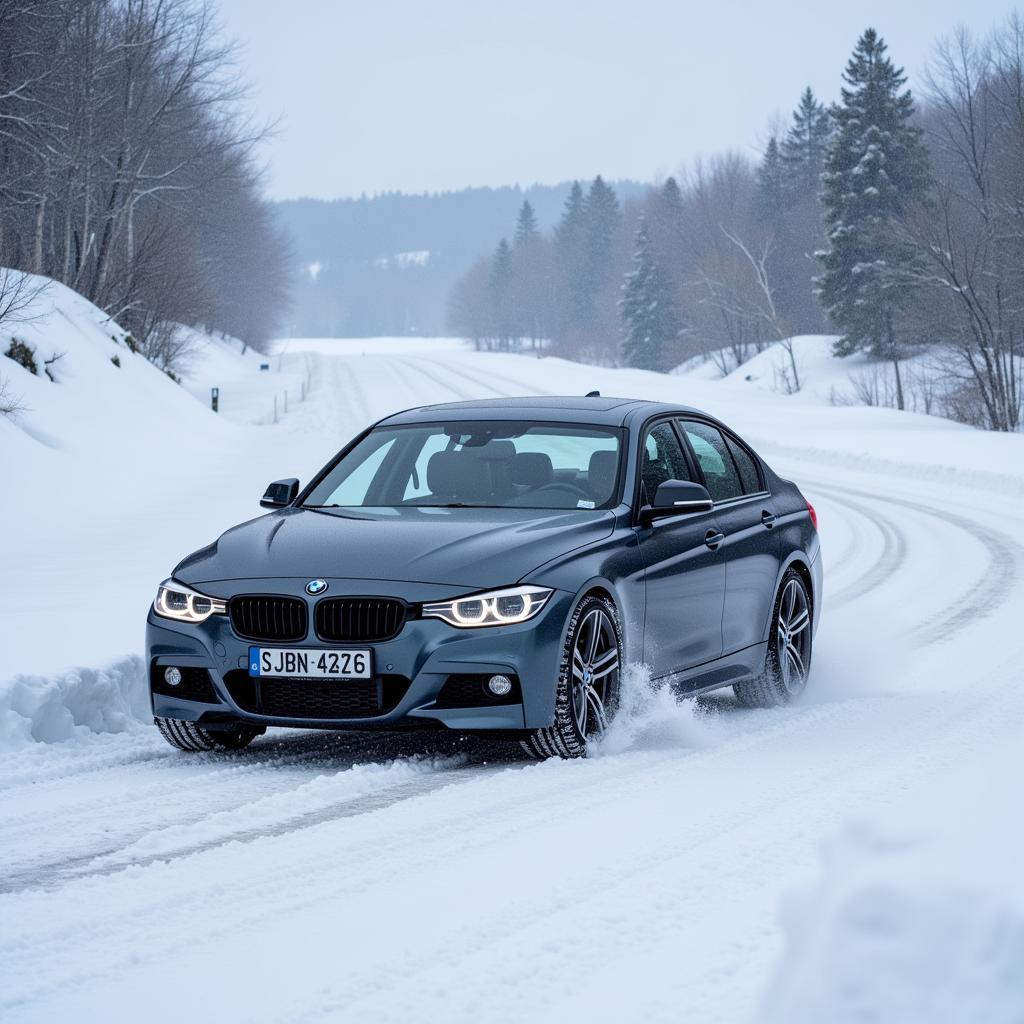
(918, 917)
(51, 709)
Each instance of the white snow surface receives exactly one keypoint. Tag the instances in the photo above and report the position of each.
(321, 877)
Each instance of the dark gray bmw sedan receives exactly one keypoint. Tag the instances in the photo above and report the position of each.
(494, 565)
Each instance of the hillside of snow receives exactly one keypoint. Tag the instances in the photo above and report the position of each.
(805, 369)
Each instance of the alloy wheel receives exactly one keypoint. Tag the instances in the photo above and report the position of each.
(794, 637)
(595, 666)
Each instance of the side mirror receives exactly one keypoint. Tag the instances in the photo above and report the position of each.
(280, 493)
(676, 498)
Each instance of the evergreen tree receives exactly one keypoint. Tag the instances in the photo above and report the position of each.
(805, 145)
(502, 303)
(875, 169)
(570, 227)
(570, 263)
(601, 217)
(526, 226)
(650, 320)
(771, 184)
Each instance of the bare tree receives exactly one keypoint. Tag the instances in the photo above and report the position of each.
(972, 234)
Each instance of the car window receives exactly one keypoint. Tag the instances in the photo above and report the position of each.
(716, 463)
(663, 460)
(347, 488)
(749, 476)
(485, 464)
(417, 485)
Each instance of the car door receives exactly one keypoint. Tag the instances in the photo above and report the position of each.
(745, 514)
(684, 568)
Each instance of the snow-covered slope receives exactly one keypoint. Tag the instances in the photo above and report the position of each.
(805, 369)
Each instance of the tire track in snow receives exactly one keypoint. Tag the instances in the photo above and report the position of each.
(178, 844)
(889, 561)
(460, 393)
(486, 379)
(227, 788)
(1005, 556)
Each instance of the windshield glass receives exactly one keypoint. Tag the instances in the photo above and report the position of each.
(488, 464)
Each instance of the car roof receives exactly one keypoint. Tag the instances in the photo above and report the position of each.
(550, 408)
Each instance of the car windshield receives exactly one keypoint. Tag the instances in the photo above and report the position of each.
(488, 464)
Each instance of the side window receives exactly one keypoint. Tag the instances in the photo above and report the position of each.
(663, 460)
(749, 476)
(716, 463)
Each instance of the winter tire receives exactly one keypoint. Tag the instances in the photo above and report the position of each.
(789, 649)
(191, 737)
(587, 691)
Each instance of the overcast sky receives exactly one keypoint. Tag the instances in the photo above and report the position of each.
(417, 96)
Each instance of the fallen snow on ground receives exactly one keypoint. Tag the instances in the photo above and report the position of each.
(328, 877)
(918, 915)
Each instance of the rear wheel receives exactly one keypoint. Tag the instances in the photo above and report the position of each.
(587, 693)
(192, 737)
(789, 650)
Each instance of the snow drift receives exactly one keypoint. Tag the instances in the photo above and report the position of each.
(918, 916)
(72, 704)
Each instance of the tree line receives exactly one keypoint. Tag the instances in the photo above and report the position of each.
(894, 222)
(127, 169)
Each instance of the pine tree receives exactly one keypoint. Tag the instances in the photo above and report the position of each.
(875, 169)
(601, 216)
(502, 304)
(526, 226)
(650, 320)
(805, 145)
(570, 227)
(771, 184)
(570, 263)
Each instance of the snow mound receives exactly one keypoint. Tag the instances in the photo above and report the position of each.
(51, 709)
(919, 916)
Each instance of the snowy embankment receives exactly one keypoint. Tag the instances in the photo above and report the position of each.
(918, 916)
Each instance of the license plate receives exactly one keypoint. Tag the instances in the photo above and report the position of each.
(310, 664)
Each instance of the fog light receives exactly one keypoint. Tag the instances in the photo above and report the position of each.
(499, 685)
(172, 675)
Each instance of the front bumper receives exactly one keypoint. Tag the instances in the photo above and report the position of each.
(425, 654)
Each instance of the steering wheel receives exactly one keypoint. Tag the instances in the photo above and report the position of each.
(563, 487)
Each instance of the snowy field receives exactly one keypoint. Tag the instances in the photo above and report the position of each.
(854, 858)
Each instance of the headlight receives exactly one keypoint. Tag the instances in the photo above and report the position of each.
(174, 601)
(495, 608)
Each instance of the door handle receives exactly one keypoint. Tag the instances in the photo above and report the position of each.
(767, 519)
(713, 538)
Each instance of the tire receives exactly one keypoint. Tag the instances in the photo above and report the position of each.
(587, 691)
(191, 737)
(788, 662)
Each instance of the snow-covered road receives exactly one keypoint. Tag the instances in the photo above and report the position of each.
(354, 877)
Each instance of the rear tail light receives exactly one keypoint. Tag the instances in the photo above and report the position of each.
(813, 514)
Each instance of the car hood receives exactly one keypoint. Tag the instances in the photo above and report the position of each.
(471, 548)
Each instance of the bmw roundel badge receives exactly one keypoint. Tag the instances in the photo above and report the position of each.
(315, 587)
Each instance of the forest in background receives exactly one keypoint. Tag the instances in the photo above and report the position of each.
(384, 264)
(893, 221)
(127, 171)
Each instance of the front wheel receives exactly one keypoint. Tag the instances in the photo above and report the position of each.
(192, 737)
(587, 693)
(789, 650)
